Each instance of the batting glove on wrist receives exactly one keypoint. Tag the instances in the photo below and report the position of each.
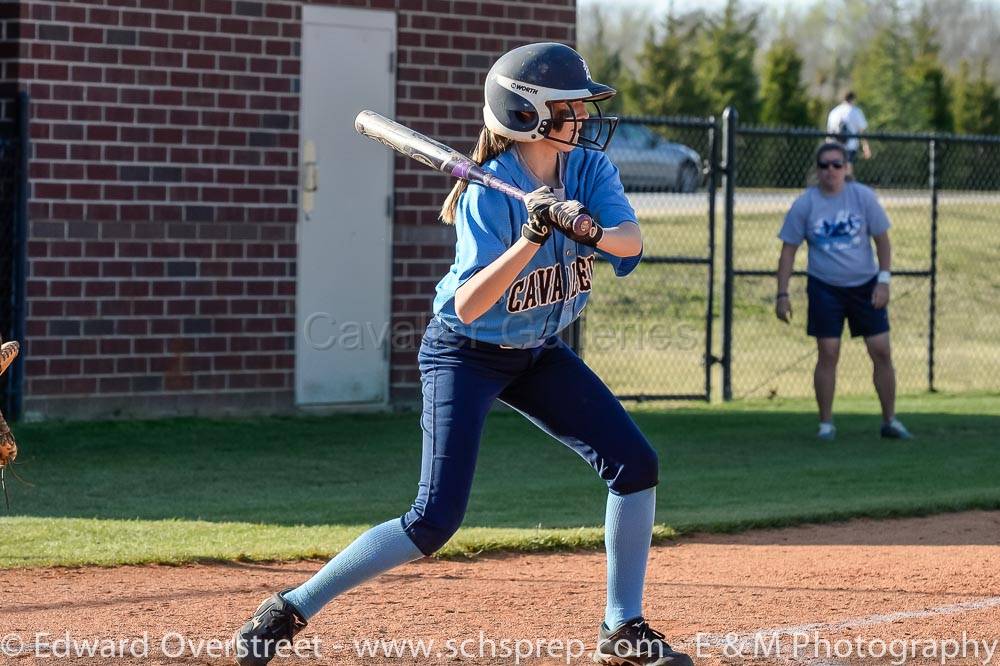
(536, 230)
(564, 214)
(538, 202)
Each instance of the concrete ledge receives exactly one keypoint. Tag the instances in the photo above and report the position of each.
(83, 408)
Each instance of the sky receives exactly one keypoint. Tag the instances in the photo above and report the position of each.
(684, 6)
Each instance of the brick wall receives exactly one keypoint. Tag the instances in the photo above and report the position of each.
(9, 25)
(163, 191)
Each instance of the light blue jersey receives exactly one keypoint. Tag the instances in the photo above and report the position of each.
(553, 288)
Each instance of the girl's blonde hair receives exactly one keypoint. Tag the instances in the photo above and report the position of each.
(489, 146)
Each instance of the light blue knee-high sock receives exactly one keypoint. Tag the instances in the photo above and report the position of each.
(628, 530)
(376, 551)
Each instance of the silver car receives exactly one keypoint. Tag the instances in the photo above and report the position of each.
(648, 162)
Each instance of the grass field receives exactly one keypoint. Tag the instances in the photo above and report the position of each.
(185, 489)
(645, 334)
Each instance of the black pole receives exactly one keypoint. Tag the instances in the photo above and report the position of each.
(730, 120)
(573, 336)
(713, 171)
(932, 305)
(20, 261)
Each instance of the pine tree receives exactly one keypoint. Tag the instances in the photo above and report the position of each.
(783, 97)
(926, 76)
(931, 95)
(818, 111)
(975, 102)
(605, 62)
(725, 72)
(881, 80)
(664, 83)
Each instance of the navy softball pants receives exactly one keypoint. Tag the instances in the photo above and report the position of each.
(550, 385)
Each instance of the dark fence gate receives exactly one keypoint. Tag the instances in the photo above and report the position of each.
(650, 335)
(13, 231)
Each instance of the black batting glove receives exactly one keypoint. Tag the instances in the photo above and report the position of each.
(565, 213)
(536, 230)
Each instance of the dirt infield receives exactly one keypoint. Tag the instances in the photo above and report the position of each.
(827, 594)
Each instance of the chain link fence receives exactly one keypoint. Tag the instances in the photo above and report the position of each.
(647, 335)
(967, 246)
(942, 194)
(772, 358)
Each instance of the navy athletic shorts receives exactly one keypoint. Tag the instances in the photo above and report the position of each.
(829, 305)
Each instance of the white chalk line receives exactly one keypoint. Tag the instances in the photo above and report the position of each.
(745, 640)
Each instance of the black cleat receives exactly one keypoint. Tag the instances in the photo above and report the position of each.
(635, 643)
(275, 621)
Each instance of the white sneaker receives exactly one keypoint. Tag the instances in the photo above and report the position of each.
(827, 432)
(895, 430)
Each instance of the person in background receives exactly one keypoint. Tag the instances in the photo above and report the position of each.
(844, 120)
(839, 219)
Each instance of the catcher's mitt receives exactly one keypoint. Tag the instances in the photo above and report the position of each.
(8, 447)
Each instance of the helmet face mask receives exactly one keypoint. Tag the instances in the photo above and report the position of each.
(524, 84)
(593, 132)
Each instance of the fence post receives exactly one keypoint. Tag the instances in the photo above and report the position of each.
(713, 171)
(572, 335)
(932, 304)
(730, 120)
(15, 394)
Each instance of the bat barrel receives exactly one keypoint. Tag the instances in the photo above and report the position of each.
(408, 142)
(368, 119)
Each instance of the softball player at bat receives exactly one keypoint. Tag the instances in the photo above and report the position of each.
(520, 276)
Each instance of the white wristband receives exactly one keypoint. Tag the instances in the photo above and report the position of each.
(884, 277)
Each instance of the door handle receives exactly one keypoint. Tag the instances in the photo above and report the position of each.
(310, 178)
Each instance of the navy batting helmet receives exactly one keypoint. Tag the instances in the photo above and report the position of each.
(524, 82)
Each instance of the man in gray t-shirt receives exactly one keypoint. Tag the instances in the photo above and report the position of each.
(839, 220)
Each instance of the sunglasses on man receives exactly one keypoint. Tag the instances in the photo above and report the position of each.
(833, 164)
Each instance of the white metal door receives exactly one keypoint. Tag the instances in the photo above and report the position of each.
(344, 273)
